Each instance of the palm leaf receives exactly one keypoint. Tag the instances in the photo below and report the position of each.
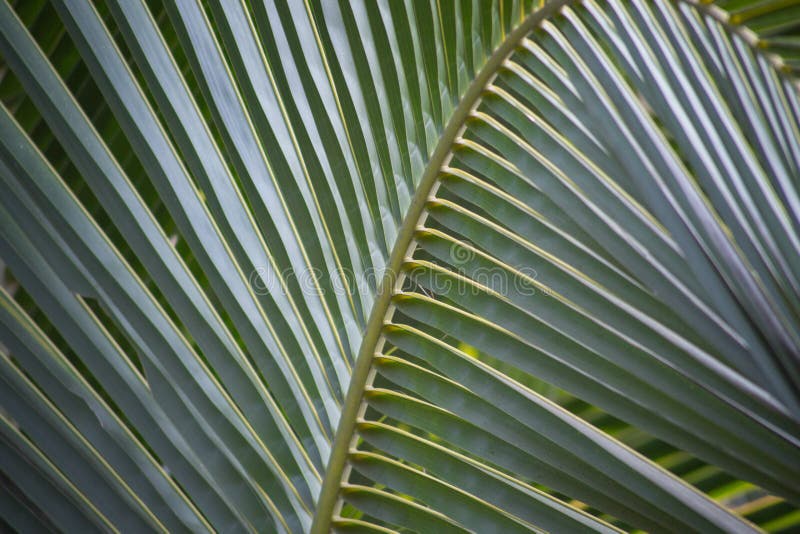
(377, 266)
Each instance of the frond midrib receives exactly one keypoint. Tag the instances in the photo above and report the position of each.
(329, 495)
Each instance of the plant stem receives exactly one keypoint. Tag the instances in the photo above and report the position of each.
(329, 494)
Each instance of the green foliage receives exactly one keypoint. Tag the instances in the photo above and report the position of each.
(403, 265)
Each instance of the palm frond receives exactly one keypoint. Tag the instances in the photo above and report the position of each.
(399, 265)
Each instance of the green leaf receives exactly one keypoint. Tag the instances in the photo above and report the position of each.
(399, 265)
